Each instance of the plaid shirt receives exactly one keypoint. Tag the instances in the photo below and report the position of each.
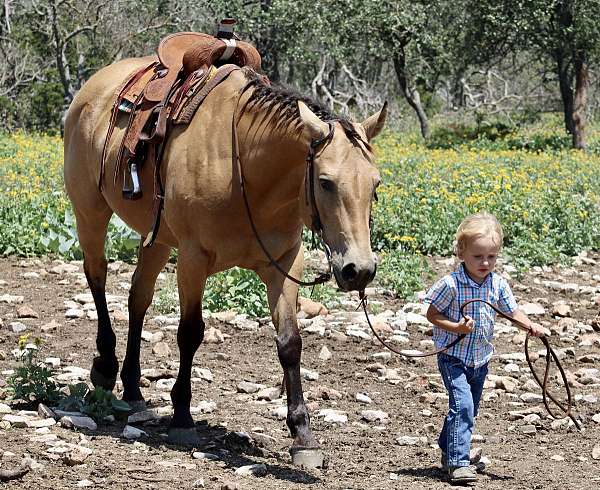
(450, 292)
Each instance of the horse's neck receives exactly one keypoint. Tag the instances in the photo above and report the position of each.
(274, 159)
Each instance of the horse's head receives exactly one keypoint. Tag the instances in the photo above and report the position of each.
(344, 180)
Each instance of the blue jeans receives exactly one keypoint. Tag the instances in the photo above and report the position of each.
(464, 385)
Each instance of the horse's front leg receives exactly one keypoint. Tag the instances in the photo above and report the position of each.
(191, 279)
(283, 295)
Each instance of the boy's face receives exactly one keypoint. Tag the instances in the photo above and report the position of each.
(480, 257)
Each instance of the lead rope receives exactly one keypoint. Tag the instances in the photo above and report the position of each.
(550, 354)
(363, 304)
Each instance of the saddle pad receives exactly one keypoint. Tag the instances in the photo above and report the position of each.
(188, 108)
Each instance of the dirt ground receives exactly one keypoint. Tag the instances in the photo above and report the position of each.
(362, 455)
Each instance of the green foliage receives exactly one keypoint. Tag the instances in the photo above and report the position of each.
(546, 197)
(45, 100)
(35, 213)
(456, 135)
(325, 294)
(233, 289)
(32, 381)
(236, 289)
(167, 300)
(402, 272)
(547, 201)
(498, 134)
(97, 403)
(121, 241)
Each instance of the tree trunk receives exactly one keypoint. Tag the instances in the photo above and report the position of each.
(411, 94)
(7, 14)
(566, 91)
(582, 81)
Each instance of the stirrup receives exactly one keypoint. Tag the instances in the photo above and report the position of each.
(134, 190)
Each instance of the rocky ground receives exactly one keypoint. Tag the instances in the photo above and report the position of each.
(376, 414)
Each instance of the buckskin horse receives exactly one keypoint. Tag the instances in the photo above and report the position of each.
(244, 125)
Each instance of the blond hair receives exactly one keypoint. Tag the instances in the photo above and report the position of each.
(477, 226)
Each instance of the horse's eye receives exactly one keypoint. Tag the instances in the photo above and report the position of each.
(327, 185)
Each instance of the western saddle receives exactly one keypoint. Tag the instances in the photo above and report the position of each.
(167, 92)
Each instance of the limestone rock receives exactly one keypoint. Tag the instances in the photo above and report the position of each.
(532, 309)
(161, 349)
(561, 309)
(82, 422)
(311, 308)
(333, 416)
(76, 456)
(131, 432)
(252, 470)
(213, 336)
(363, 398)
(248, 387)
(374, 415)
(143, 416)
(324, 354)
(26, 311)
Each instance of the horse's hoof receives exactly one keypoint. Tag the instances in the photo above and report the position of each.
(308, 457)
(136, 405)
(99, 379)
(183, 437)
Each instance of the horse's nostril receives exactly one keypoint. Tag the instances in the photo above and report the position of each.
(349, 272)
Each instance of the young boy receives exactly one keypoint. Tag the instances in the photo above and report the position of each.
(465, 366)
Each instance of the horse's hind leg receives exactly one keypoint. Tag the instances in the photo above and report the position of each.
(191, 279)
(150, 262)
(283, 294)
(91, 230)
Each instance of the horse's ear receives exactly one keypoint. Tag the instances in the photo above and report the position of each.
(374, 124)
(315, 127)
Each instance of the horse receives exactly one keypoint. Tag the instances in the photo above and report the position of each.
(244, 126)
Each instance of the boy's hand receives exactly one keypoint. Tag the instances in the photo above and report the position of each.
(537, 330)
(465, 325)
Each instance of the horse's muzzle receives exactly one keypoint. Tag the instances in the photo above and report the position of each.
(355, 278)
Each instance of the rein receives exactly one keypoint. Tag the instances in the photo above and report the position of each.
(550, 354)
(317, 227)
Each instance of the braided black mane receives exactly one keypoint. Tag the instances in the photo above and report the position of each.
(282, 103)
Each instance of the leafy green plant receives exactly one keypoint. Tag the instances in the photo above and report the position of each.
(238, 289)
(97, 403)
(32, 381)
(402, 272)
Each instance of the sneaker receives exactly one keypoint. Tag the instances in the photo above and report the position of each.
(462, 474)
(474, 456)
